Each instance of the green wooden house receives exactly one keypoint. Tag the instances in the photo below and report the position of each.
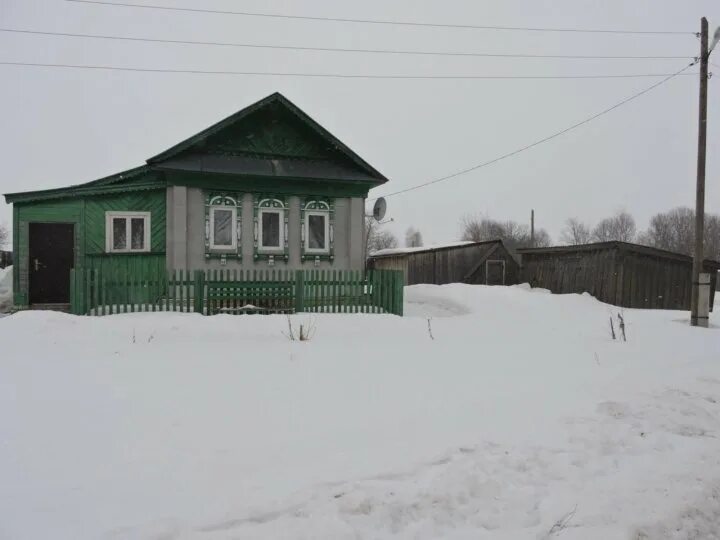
(266, 188)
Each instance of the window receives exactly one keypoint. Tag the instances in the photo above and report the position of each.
(316, 233)
(270, 235)
(222, 227)
(317, 219)
(271, 229)
(127, 232)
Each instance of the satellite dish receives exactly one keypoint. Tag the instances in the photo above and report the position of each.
(379, 209)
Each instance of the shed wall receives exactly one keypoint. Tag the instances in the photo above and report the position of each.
(620, 277)
(448, 265)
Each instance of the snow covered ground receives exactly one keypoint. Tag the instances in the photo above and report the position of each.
(521, 419)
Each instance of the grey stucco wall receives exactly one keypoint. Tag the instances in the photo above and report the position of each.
(186, 234)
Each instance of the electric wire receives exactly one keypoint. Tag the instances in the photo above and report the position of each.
(333, 75)
(381, 22)
(339, 49)
(543, 140)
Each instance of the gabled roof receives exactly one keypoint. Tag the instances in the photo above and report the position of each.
(352, 168)
(371, 174)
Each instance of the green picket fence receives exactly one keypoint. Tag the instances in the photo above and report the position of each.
(210, 292)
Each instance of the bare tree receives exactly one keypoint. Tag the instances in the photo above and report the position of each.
(376, 238)
(620, 227)
(542, 238)
(384, 240)
(513, 234)
(674, 230)
(413, 238)
(712, 236)
(575, 232)
(4, 235)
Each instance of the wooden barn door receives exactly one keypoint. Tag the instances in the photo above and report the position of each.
(495, 272)
(51, 254)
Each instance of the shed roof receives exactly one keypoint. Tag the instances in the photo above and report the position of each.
(398, 252)
(108, 184)
(621, 246)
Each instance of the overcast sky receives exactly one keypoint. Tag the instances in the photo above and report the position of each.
(67, 126)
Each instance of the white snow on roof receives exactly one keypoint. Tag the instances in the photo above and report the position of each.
(400, 251)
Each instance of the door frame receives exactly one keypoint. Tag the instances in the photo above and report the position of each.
(28, 259)
(494, 261)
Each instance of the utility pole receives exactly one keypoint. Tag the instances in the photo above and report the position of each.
(532, 228)
(698, 254)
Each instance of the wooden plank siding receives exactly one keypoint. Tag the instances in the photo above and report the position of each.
(63, 211)
(448, 264)
(617, 273)
(87, 214)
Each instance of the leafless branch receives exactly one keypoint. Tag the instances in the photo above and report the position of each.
(430, 329)
(561, 523)
(622, 326)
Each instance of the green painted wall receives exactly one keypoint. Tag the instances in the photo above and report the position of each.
(138, 201)
(63, 211)
(88, 216)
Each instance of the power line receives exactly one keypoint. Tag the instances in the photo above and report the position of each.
(336, 75)
(380, 22)
(543, 140)
(341, 50)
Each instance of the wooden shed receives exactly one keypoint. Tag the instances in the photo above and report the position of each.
(619, 273)
(486, 263)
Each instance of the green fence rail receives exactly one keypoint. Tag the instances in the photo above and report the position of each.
(211, 292)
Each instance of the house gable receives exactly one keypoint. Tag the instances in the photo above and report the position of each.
(269, 132)
(269, 138)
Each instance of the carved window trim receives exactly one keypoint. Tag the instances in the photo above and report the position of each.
(231, 201)
(314, 206)
(276, 204)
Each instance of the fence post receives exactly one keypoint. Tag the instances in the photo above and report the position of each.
(199, 296)
(400, 288)
(80, 291)
(73, 300)
(299, 291)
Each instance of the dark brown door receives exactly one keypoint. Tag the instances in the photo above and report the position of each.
(52, 252)
(495, 273)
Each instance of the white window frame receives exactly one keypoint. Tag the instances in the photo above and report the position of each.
(319, 251)
(233, 224)
(280, 248)
(109, 216)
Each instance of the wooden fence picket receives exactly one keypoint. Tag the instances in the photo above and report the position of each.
(120, 290)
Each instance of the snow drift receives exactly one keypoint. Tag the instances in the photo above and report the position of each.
(520, 418)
